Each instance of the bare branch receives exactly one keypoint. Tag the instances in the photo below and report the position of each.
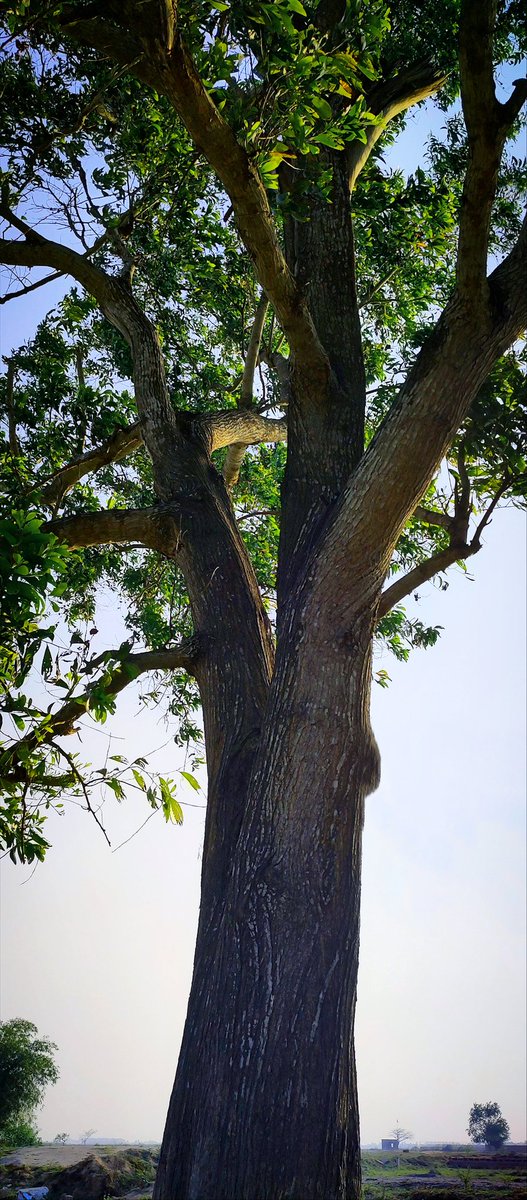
(458, 550)
(38, 251)
(485, 520)
(30, 287)
(77, 775)
(425, 571)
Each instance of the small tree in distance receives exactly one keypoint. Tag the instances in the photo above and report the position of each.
(486, 1124)
(85, 1137)
(402, 1135)
(27, 1066)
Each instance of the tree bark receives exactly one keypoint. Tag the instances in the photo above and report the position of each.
(265, 1104)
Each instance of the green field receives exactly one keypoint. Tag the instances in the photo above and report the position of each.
(427, 1174)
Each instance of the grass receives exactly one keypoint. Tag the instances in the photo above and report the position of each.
(419, 1175)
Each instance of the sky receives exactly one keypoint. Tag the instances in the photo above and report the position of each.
(97, 944)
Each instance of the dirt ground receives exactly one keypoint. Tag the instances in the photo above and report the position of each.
(62, 1156)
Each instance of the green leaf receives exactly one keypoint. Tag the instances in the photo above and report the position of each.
(47, 663)
(191, 779)
(116, 787)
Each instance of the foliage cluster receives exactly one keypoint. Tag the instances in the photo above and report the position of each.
(27, 1067)
(487, 1124)
(88, 150)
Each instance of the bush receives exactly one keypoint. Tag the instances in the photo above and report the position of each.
(19, 1131)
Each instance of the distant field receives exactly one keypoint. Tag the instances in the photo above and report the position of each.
(444, 1175)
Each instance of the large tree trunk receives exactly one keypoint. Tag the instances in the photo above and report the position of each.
(264, 1104)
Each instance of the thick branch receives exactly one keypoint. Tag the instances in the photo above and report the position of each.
(388, 99)
(246, 396)
(430, 517)
(38, 251)
(120, 444)
(246, 427)
(153, 527)
(121, 309)
(406, 452)
(488, 123)
(174, 75)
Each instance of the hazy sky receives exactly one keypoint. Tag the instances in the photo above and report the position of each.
(97, 946)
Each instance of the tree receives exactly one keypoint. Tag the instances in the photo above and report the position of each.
(401, 1135)
(85, 1137)
(233, 298)
(486, 1124)
(20, 1131)
(27, 1067)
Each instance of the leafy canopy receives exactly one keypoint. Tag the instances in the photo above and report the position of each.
(27, 1067)
(487, 1124)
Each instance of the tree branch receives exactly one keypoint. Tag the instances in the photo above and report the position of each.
(458, 550)
(246, 397)
(487, 123)
(120, 444)
(247, 427)
(388, 99)
(30, 287)
(422, 574)
(38, 251)
(156, 528)
(430, 517)
(236, 451)
(415, 436)
(174, 76)
(63, 722)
